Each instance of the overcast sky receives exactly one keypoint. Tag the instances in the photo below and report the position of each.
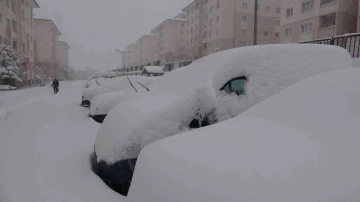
(94, 29)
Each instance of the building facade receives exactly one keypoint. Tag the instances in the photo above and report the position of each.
(62, 54)
(46, 41)
(314, 19)
(216, 25)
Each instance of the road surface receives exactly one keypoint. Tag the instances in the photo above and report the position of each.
(45, 144)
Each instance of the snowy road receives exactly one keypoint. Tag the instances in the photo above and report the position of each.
(45, 143)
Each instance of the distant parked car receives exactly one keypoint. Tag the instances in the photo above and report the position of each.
(103, 103)
(7, 87)
(111, 85)
(299, 145)
(212, 89)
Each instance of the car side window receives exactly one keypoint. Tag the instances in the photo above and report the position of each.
(235, 85)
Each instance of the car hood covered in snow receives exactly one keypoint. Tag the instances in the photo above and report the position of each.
(269, 69)
(299, 145)
(116, 84)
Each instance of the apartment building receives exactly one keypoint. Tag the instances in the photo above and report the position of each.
(169, 41)
(8, 23)
(62, 54)
(215, 25)
(313, 19)
(46, 42)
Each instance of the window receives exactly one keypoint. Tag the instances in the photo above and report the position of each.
(288, 31)
(243, 31)
(14, 44)
(326, 1)
(197, 5)
(218, 4)
(14, 26)
(182, 25)
(267, 8)
(8, 3)
(277, 34)
(266, 33)
(217, 19)
(306, 28)
(278, 10)
(267, 21)
(13, 6)
(236, 85)
(244, 18)
(205, 46)
(277, 22)
(217, 32)
(289, 12)
(211, 9)
(8, 22)
(244, 5)
(205, 34)
(0, 18)
(306, 6)
(209, 34)
(242, 44)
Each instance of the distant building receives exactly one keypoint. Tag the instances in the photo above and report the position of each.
(153, 71)
(314, 19)
(62, 54)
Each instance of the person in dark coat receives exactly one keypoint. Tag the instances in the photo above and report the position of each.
(55, 85)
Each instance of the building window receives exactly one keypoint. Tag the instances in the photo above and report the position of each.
(323, 2)
(244, 5)
(242, 44)
(209, 34)
(243, 31)
(14, 26)
(197, 5)
(266, 33)
(306, 28)
(244, 18)
(8, 3)
(217, 32)
(182, 25)
(267, 21)
(277, 34)
(0, 18)
(267, 8)
(277, 22)
(327, 20)
(8, 23)
(307, 6)
(278, 10)
(15, 44)
(288, 31)
(211, 9)
(289, 12)
(13, 6)
(205, 34)
(218, 4)
(205, 46)
(217, 19)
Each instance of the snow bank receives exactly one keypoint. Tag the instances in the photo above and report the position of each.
(269, 69)
(299, 145)
(112, 85)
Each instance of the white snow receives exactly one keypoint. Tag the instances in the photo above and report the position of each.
(299, 145)
(180, 95)
(116, 84)
(154, 69)
(45, 144)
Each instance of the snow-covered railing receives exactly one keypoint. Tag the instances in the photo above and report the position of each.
(351, 42)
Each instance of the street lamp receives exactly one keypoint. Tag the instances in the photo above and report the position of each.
(108, 65)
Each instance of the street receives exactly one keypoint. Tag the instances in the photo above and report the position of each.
(45, 144)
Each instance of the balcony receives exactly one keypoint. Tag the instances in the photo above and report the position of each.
(328, 6)
(327, 25)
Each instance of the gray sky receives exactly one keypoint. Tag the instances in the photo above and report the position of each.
(96, 28)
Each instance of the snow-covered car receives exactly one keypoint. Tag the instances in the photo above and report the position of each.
(111, 85)
(212, 89)
(7, 87)
(299, 145)
(103, 103)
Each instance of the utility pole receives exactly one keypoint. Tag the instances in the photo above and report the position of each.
(255, 22)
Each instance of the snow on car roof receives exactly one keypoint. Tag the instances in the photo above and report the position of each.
(194, 90)
(299, 145)
(153, 69)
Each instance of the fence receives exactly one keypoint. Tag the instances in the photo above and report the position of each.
(350, 42)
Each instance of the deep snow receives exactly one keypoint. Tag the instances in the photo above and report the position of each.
(299, 145)
(45, 142)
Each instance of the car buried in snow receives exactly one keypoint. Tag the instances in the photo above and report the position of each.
(103, 103)
(299, 145)
(212, 89)
(112, 85)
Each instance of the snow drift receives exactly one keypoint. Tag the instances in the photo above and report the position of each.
(299, 145)
(190, 92)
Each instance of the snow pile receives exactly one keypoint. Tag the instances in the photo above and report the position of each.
(154, 70)
(111, 85)
(183, 94)
(103, 103)
(356, 62)
(299, 145)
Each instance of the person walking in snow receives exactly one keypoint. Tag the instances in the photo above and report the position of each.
(55, 85)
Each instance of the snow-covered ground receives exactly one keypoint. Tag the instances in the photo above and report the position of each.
(45, 143)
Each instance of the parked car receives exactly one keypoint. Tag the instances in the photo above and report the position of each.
(103, 103)
(7, 87)
(112, 85)
(299, 145)
(212, 89)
